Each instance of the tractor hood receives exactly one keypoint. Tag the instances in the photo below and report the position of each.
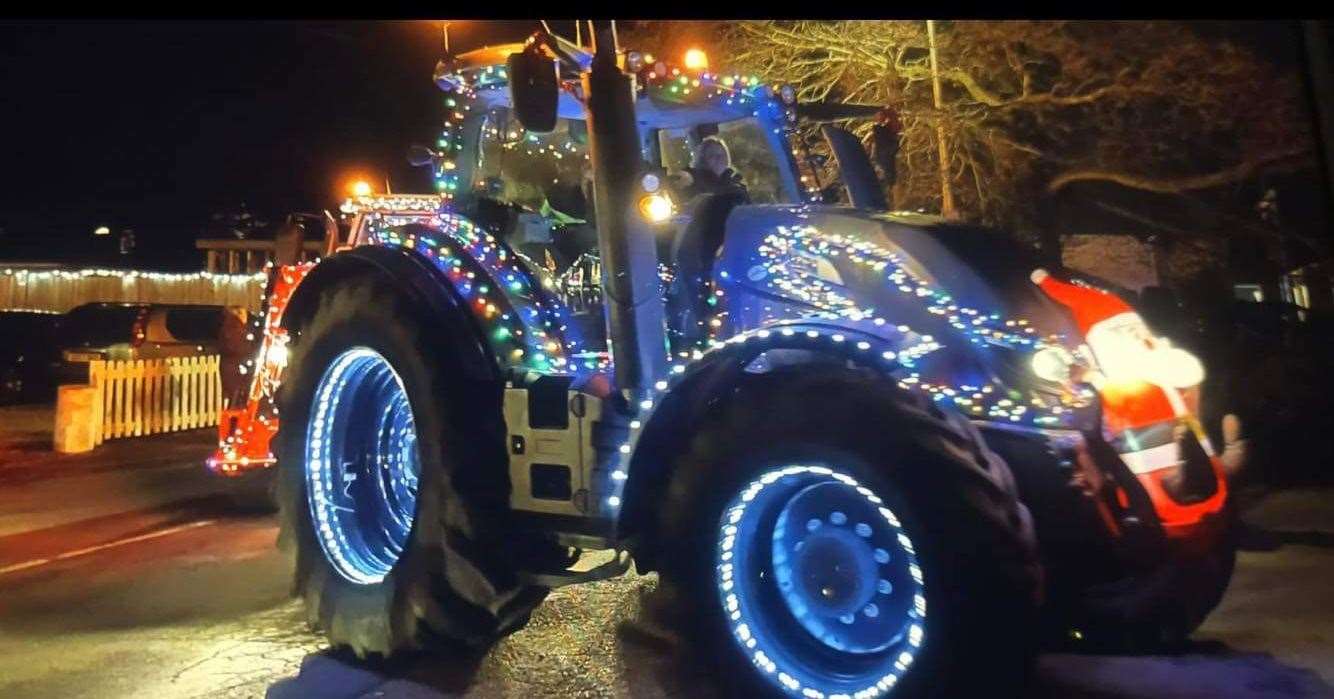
(958, 299)
(981, 268)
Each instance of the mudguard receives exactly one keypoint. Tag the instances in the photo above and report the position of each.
(681, 400)
(525, 326)
(495, 310)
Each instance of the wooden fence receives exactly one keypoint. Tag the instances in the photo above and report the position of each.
(150, 396)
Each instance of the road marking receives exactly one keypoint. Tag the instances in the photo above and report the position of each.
(92, 549)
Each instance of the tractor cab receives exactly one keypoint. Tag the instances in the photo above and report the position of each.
(534, 190)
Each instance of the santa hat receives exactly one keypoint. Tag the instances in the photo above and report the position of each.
(1088, 306)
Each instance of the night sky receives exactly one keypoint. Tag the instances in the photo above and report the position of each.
(155, 126)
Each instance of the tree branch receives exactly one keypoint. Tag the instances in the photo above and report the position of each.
(1175, 185)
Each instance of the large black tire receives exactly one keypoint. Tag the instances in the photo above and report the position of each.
(455, 582)
(973, 538)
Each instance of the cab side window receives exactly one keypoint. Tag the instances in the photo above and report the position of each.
(674, 146)
(527, 169)
(754, 159)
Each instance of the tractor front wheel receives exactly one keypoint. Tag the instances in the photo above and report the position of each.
(837, 535)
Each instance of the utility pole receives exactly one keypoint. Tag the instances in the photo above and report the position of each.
(946, 197)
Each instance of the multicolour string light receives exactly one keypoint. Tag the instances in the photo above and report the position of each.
(525, 326)
(788, 273)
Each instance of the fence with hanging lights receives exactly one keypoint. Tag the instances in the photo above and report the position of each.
(59, 290)
(151, 396)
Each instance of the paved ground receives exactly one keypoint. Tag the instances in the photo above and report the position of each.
(190, 600)
(124, 475)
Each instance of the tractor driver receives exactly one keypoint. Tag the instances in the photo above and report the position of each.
(710, 172)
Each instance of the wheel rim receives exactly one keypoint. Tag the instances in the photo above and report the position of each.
(820, 583)
(362, 465)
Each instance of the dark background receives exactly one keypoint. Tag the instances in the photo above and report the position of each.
(156, 126)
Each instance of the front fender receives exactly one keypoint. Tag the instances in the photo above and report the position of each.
(694, 390)
(412, 277)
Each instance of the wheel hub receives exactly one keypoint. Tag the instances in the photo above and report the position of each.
(362, 465)
(835, 572)
(819, 583)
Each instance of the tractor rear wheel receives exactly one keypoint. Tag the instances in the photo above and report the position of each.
(396, 520)
(838, 535)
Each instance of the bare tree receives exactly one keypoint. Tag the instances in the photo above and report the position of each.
(1030, 108)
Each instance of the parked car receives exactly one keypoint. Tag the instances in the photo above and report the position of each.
(30, 357)
(123, 331)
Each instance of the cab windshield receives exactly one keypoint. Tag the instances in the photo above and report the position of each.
(753, 158)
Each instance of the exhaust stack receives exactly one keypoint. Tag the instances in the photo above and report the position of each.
(631, 288)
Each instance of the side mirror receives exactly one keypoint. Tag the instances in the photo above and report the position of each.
(420, 156)
(534, 90)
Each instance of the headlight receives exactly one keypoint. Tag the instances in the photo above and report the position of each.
(656, 208)
(1053, 364)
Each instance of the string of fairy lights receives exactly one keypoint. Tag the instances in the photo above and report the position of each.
(24, 275)
(528, 326)
(524, 326)
(784, 257)
(773, 105)
(265, 368)
(978, 326)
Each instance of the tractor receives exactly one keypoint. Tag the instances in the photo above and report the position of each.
(871, 452)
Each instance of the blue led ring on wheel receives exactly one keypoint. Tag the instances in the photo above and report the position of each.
(820, 584)
(362, 465)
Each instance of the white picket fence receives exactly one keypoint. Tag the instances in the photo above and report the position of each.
(151, 396)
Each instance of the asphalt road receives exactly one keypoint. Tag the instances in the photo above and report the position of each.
(191, 601)
(125, 573)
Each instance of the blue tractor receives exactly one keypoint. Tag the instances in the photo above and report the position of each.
(869, 453)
